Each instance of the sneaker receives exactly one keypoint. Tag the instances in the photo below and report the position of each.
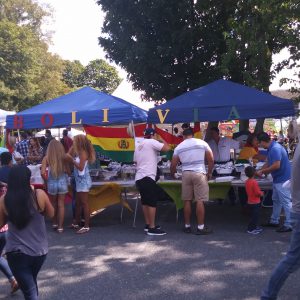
(155, 231)
(203, 231)
(187, 229)
(284, 229)
(254, 231)
(270, 224)
(259, 229)
(146, 228)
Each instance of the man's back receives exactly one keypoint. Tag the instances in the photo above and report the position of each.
(277, 153)
(145, 156)
(191, 153)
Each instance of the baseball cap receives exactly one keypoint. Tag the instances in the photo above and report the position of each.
(149, 131)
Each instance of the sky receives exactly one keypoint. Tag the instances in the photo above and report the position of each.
(76, 26)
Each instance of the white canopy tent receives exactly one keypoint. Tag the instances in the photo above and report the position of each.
(57, 132)
(3, 114)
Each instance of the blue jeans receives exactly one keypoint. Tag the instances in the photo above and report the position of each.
(25, 269)
(255, 212)
(281, 199)
(289, 264)
(4, 267)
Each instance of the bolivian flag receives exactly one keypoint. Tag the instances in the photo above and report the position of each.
(114, 142)
(118, 145)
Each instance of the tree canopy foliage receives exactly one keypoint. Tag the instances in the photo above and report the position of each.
(97, 74)
(29, 73)
(169, 47)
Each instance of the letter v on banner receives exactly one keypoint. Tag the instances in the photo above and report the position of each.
(233, 115)
(161, 116)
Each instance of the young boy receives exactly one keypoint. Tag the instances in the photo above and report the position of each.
(253, 194)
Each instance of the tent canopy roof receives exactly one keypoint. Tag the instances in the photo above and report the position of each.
(221, 100)
(89, 106)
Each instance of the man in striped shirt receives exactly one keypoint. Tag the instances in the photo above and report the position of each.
(193, 154)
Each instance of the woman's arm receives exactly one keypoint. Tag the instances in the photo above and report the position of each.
(44, 203)
(3, 217)
(30, 154)
(44, 168)
(39, 155)
(82, 159)
(68, 164)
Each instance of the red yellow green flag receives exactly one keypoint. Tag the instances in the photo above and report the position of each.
(114, 142)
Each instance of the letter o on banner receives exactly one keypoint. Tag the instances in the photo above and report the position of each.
(47, 120)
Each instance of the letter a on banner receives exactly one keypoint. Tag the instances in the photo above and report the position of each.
(161, 116)
(74, 122)
(233, 115)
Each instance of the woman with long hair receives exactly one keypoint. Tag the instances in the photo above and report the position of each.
(57, 180)
(84, 153)
(35, 151)
(23, 209)
(4, 267)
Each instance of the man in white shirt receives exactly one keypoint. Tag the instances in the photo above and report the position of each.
(146, 158)
(221, 146)
(193, 153)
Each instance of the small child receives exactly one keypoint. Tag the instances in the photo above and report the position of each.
(253, 194)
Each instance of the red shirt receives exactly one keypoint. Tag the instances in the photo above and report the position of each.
(67, 143)
(253, 191)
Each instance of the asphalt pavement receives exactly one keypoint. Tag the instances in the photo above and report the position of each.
(116, 261)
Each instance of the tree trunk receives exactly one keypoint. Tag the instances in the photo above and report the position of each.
(259, 127)
(244, 125)
(210, 125)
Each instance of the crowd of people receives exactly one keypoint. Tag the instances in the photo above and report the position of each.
(22, 208)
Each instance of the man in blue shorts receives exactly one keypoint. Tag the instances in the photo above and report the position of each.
(280, 168)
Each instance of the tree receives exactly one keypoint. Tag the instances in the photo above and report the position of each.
(24, 13)
(72, 73)
(29, 74)
(169, 47)
(160, 45)
(99, 74)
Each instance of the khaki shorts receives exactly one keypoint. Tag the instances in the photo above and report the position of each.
(194, 186)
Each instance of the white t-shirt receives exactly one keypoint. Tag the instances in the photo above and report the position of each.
(146, 158)
(191, 153)
(221, 151)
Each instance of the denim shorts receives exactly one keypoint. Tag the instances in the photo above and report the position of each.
(83, 182)
(58, 186)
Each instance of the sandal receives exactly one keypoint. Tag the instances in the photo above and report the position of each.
(74, 226)
(83, 230)
(60, 230)
(54, 226)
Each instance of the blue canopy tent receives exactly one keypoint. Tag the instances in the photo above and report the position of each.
(219, 101)
(85, 106)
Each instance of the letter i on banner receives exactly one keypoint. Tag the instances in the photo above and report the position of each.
(105, 115)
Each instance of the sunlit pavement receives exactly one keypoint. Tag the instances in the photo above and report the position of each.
(117, 261)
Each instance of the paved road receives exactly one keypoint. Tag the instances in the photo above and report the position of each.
(116, 261)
